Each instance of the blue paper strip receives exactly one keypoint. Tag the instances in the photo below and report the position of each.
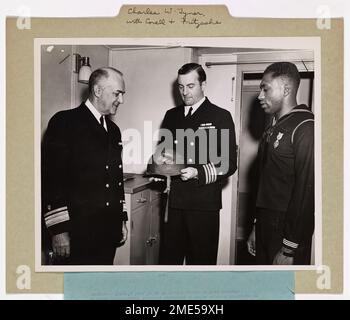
(179, 285)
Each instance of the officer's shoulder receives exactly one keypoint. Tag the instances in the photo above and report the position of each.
(173, 113)
(65, 118)
(174, 110)
(63, 115)
(218, 111)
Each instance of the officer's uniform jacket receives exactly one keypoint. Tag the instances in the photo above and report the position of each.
(82, 177)
(286, 179)
(204, 193)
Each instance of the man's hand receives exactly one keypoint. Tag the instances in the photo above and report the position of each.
(281, 259)
(61, 244)
(124, 233)
(251, 243)
(189, 173)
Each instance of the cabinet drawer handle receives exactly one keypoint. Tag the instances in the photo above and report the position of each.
(150, 241)
(141, 200)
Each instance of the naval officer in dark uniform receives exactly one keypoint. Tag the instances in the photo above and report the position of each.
(82, 190)
(284, 221)
(191, 233)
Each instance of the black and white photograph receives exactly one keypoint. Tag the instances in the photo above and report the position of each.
(178, 154)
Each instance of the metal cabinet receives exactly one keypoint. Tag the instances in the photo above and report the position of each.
(142, 247)
(154, 234)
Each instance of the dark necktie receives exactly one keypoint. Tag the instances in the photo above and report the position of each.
(102, 121)
(189, 114)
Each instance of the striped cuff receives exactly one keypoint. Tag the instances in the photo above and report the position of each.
(290, 245)
(210, 173)
(56, 216)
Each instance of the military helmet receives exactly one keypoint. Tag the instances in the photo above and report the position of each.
(165, 163)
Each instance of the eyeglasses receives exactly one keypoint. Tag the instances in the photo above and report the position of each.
(115, 92)
(119, 92)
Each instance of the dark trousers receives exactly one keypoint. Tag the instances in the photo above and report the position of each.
(102, 256)
(190, 235)
(93, 239)
(269, 237)
(85, 255)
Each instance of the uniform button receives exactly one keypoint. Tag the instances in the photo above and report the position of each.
(107, 204)
(190, 160)
(120, 166)
(119, 184)
(107, 185)
(175, 141)
(192, 143)
(107, 167)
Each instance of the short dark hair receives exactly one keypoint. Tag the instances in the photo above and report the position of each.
(188, 67)
(284, 69)
(98, 74)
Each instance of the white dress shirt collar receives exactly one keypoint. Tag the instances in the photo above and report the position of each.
(194, 107)
(96, 114)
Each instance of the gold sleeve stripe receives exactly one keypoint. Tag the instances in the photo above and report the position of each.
(57, 215)
(206, 174)
(49, 213)
(290, 243)
(210, 171)
(61, 217)
(214, 172)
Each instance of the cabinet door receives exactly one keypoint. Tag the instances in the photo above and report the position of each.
(140, 222)
(140, 199)
(154, 239)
